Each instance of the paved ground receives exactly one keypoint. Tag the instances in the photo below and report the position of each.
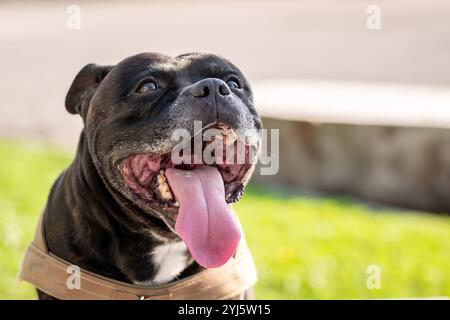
(322, 40)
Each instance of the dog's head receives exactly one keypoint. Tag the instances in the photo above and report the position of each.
(149, 108)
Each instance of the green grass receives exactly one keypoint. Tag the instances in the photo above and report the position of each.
(27, 171)
(304, 248)
(321, 248)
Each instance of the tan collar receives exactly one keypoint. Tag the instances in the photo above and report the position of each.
(49, 273)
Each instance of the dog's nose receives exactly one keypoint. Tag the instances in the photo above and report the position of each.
(210, 86)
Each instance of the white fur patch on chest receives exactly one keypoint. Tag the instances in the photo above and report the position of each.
(170, 260)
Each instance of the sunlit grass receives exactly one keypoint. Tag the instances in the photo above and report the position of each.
(321, 248)
(304, 248)
(27, 171)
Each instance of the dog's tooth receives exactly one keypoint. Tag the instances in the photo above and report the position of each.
(165, 191)
(176, 204)
(167, 195)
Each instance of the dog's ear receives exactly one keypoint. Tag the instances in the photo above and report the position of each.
(83, 88)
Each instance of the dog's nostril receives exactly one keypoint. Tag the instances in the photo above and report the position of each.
(223, 89)
(200, 90)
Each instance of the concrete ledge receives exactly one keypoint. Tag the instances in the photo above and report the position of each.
(402, 166)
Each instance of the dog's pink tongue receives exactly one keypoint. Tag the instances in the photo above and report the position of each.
(205, 222)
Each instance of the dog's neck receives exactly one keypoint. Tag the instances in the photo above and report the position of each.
(88, 226)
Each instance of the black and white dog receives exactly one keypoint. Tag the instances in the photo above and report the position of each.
(124, 209)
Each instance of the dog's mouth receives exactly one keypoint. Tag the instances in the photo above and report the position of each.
(198, 190)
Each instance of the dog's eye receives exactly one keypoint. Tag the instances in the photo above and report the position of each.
(147, 86)
(233, 83)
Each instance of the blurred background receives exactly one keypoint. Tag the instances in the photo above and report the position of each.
(360, 91)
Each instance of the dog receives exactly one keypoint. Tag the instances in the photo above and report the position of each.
(123, 209)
